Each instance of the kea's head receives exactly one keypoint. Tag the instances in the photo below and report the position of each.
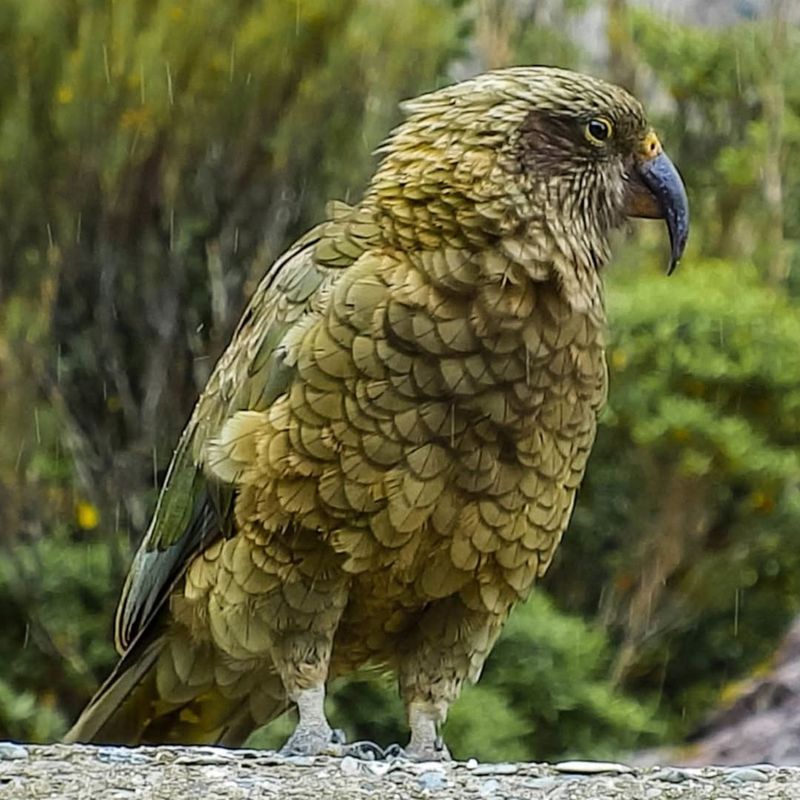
(550, 158)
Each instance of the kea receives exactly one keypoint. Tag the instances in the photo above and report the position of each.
(386, 456)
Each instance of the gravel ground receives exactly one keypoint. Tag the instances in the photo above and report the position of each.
(157, 773)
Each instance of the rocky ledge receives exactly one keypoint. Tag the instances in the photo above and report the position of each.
(117, 773)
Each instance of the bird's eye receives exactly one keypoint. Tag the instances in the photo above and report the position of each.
(598, 130)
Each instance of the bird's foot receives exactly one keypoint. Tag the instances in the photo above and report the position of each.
(317, 740)
(364, 751)
(426, 743)
(321, 742)
(433, 751)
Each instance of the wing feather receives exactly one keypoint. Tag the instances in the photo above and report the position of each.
(194, 509)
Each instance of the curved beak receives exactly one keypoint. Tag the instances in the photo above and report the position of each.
(655, 190)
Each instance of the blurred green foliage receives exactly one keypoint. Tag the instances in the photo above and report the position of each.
(688, 530)
(155, 156)
(58, 600)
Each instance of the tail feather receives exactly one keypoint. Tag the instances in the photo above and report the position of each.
(115, 715)
(129, 709)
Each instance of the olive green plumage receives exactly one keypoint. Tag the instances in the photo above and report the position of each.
(386, 456)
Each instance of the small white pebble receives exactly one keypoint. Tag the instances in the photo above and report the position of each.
(300, 761)
(350, 766)
(472, 763)
(591, 767)
(496, 769)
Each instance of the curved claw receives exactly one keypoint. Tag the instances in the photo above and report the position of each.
(394, 752)
(365, 751)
